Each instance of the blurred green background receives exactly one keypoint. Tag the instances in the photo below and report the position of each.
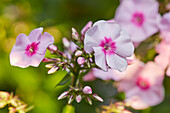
(33, 85)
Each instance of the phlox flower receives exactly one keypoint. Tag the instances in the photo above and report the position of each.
(30, 50)
(111, 74)
(163, 59)
(165, 27)
(140, 18)
(110, 43)
(142, 84)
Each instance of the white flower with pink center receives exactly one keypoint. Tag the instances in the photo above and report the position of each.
(140, 18)
(142, 84)
(30, 50)
(111, 45)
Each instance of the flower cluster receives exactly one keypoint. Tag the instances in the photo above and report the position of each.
(105, 50)
(15, 105)
(103, 46)
(78, 94)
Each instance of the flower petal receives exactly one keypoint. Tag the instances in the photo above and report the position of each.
(22, 40)
(45, 41)
(108, 29)
(100, 58)
(35, 34)
(92, 39)
(124, 46)
(117, 62)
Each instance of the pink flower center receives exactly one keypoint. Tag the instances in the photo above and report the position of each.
(143, 83)
(31, 49)
(138, 19)
(108, 46)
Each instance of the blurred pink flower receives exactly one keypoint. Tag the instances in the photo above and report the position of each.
(162, 59)
(30, 50)
(165, 27)
(111, 74)
(143, 85)
(140, 18)
(110, 44)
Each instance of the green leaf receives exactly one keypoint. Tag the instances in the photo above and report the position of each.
(68, 109)
(48, 54)
(66, 79)
(56, 78)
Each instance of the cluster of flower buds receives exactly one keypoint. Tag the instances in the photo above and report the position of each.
(118, 107)
(78, 94)
(14, 103)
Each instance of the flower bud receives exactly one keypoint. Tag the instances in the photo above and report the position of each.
(75, 35)
(12, 110)
(87, 90)
(49, 65)
(47, 60)
(70, 99)
(52, 48)
(97, 97)
(89, 100)
(86, 27)
(78, 98)
(53, 69)
(78, 53)
(4, 97)
(81, 60)
(66, 43)
(63, 95)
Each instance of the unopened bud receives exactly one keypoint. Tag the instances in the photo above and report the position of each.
(97, 97)
(4, 97)
(52, 48)
(66, 43)
(87, 90)
(63, 95)
(78, 98)
(49, 65)
(89, 100)
(53, 69)
(86, 27)
(81, 60)
(70, 99)
(78, 53)
(12, 110)
(47, 60)
(75, 35)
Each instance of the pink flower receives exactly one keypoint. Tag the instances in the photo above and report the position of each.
(110, 44)
(97, 73)
(140, 18)
(164, 54)
(111, 74)
(142, 85)
(165, 27)
(30, 50)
